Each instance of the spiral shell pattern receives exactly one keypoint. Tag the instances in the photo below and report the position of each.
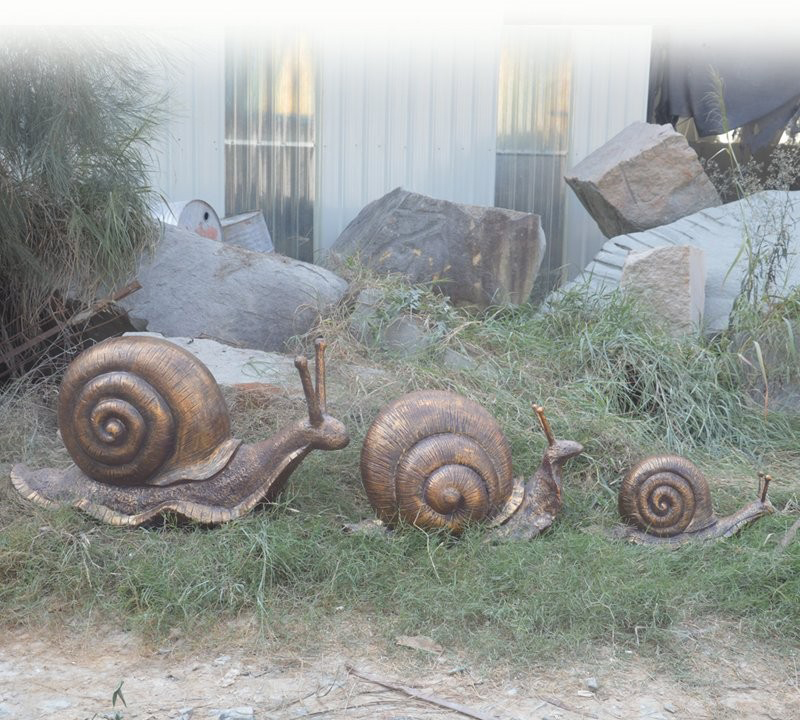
(664, 496)
(436, 460)
(139, 410)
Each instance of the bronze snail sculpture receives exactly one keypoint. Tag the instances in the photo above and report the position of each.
(149, 432)
(666, 500)
(437, 460)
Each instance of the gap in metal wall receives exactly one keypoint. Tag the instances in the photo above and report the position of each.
(533, 134)
(270, 134)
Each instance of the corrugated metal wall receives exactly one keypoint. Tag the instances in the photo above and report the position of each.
(611, 67)
(533, 132)
(439, 115)
(564, 91)
(191, 158)
(417, 112)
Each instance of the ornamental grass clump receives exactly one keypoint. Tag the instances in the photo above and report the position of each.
(79, 113)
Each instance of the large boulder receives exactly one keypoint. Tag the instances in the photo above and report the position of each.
(767, 217)
(645, 176)
(475, 255)
(193, 286)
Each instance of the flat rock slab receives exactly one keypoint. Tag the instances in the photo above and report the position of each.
(233, 366)
(475, 255)
(645, 176)
(259, 374)
(194, 286)
(670, 281)
(720, 232)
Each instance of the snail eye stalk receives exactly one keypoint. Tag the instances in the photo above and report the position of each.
(764, 482)
(548, 433)
(319, 346)
(314, 412)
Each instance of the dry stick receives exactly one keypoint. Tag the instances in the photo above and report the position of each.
(564, 706)
(790, 533)
(419, 695)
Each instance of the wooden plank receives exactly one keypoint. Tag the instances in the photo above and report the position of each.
(74, 320)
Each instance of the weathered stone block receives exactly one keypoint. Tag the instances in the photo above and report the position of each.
(670, 282)
(475, 255)
(645, 176)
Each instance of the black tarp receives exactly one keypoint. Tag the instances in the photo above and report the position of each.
(760, 74)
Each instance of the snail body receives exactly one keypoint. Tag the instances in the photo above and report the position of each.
(149, 432)
(438, 460)
(665, 499)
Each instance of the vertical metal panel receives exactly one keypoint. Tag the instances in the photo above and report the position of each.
(609, 91)
(533, 132)
(270, 134)
(396, 110)
(190, 158)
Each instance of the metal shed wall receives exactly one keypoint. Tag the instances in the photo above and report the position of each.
(191, 157)
(417, 112)
(414, 111)
(610, 78)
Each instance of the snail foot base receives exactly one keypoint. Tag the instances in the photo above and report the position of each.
(535, 515)
(126, 506)
(718, 528)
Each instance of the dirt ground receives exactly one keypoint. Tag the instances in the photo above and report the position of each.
(72, 677)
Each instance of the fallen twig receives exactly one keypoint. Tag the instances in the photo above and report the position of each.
(565, 706)
(790, 533)
(419, 695)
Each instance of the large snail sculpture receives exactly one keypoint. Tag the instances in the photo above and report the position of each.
(666, 500)
(438, 460)
(149, 432)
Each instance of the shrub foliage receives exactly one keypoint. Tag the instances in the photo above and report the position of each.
(78, 114)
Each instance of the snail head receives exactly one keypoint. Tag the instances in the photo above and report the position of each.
(324, 431)
(557, 450)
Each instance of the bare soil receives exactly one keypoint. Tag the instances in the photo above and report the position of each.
(71, 676)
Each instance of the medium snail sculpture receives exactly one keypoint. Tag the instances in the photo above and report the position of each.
(437, 460)
(149, 432)
(666, 500)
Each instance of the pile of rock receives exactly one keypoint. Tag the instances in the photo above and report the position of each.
(710, 239)
(236, 307)
(672, 243)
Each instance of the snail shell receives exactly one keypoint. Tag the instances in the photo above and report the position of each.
(436, 460)
(142, 411)
(666, 495)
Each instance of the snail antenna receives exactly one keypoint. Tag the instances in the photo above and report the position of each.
(548, 433)
(319, 347)
(767, 479)
(312, 401)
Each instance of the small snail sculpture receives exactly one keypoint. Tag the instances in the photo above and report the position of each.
(665, 500)
(149, 432)
(438, 460)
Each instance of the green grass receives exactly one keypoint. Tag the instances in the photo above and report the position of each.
(606, 380)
